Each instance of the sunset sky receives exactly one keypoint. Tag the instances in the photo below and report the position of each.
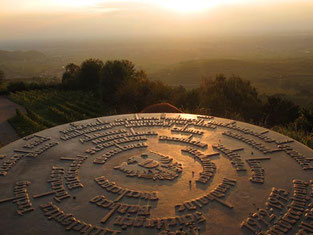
(91, 5)
(41, 19)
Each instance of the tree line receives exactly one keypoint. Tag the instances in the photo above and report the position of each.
(122, 88)
(1, 76)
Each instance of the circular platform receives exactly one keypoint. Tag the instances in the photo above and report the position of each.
(156, 174)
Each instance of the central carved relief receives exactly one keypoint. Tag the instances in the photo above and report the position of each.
(151, 165)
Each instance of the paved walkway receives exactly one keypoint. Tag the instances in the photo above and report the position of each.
(7, 110)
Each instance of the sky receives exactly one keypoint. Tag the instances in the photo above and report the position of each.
(79, 19)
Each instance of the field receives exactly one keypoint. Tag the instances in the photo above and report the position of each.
(51, 107)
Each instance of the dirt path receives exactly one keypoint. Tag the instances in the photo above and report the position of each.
(7, 110)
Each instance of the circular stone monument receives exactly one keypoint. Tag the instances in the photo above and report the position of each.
(156, 174)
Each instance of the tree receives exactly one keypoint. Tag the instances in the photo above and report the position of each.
(114, 74)
(133, 95)
(178, 96)
(1, 76)
(305, 120)
(70, 76)
(89, 74)
(280, 111)
(233, 98)
(16, 86)
(192, 102)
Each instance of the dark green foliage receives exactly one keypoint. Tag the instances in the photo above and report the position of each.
(124, 89)
(37, 118)
(134, 95)
(16, 86)
(279, 111)
(23, 86)
(70, 76)
(87, 111)
(102, 79)
(297, 134)
(89, 74)
(60, 116)
(86, 76)
(305, 120)
(1, 76)
(24, 125)
(3, 89)
(230, 97)
(51, 107)
(115, 74)
(95, 89)
(192, 100)
(301, 129)
(178, 96)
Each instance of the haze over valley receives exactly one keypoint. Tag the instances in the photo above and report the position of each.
(286, 59)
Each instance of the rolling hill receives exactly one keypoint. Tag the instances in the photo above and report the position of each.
(292, 77)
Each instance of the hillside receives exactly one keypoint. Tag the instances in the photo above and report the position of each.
(6, 56)
(293, 77)
(27, 64)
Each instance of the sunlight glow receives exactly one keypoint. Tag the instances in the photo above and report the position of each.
(181, 6)
(186, 6)
(77, 3)
(189, 6)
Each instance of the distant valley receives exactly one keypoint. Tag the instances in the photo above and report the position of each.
(293, 77)
(19, 65)
(280, 64)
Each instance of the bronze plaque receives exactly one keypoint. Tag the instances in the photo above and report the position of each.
(156, 174)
